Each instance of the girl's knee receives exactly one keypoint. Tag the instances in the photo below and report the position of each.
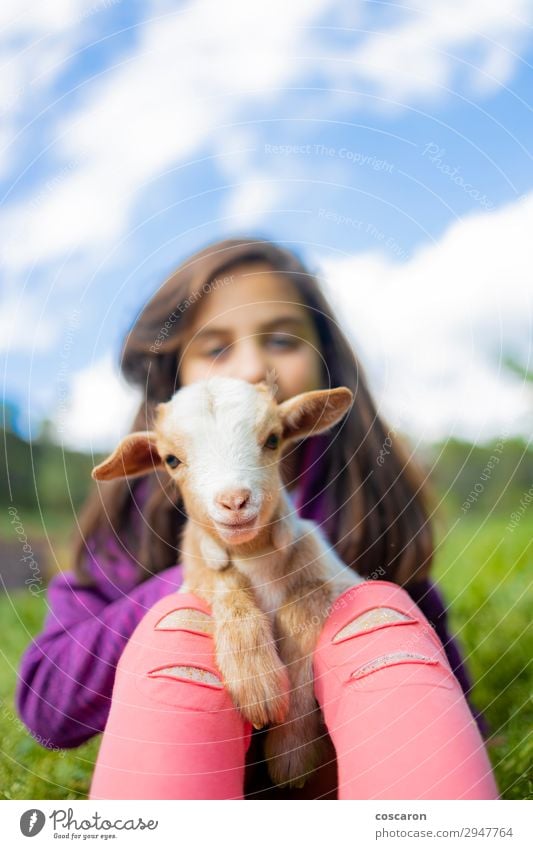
(374, 626)
(170, 658)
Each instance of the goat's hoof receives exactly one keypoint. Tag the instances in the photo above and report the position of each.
(257, 681)
(265, 702)
(293, 751)
(259, 687)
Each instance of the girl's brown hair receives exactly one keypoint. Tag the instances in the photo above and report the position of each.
(376, 492)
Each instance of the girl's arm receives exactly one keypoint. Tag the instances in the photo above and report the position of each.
(429, 599)
(66, 675)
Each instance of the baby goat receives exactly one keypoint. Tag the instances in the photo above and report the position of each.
(269, 576)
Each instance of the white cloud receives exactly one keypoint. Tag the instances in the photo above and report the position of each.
(253, 200)
(154, 109)
(433, 331)
(254, 193)
(425, 49)
(36, 39)
(23, 327)
(184, 84)
(98, 410)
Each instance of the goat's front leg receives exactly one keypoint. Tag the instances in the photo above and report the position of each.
(246, 653)
(245, 648)
(298, 746)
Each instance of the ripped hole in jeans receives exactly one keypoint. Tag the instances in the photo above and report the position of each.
(369, 620)
(186, 619)
(391, 660)
(188, 673)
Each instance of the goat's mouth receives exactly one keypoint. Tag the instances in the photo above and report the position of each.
(236, 528)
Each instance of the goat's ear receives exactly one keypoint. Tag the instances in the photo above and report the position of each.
(136, 454)
(313, 412)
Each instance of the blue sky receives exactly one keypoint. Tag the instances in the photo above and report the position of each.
(388, 143)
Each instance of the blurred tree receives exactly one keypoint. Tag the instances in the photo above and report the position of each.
(513, 365)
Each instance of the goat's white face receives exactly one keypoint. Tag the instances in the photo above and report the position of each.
(221, 440)
(227, 435)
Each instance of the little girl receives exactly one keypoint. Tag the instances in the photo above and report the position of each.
(240, 308)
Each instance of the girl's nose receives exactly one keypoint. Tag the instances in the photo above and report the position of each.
(251, 363)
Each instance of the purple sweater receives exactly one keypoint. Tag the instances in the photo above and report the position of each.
(66, 674)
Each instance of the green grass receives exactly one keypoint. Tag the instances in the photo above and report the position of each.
(484, 571)
(27, 769)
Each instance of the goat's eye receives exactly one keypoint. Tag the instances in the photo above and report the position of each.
(272, 441)
(172, 461)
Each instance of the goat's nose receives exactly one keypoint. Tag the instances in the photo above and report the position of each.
(234, 499)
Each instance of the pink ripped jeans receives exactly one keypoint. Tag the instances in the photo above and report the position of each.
(395, 712)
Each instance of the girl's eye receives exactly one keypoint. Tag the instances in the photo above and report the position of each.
(216, 352)
(172, 461)
(283, 342)
(272, 442)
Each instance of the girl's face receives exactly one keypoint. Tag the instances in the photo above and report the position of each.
(251, 323)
